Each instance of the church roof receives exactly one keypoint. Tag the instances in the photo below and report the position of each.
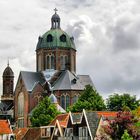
(56, 41)
(31, 79)
(53, 99)
(66, 80)
(70, 81)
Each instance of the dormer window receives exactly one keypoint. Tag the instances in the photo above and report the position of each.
(63, 38)
(49, 38)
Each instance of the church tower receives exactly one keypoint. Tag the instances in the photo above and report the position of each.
(8, 86)
(56, 49)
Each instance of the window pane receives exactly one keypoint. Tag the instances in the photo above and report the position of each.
(52, 62)
(61, 63)
(62, 101)
(67, 101)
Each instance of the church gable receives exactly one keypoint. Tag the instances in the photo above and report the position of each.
(36, 96)
(31, 79)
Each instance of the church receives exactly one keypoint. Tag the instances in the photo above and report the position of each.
(55, 74)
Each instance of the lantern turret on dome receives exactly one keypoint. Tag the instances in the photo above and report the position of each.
(55, 20)
(55, 48)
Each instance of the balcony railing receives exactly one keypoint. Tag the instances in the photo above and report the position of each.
(74, 138)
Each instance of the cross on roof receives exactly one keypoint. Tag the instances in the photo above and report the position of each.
(55, 10)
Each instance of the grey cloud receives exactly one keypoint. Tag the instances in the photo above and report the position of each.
(107, 42)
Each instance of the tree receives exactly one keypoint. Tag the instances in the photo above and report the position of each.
(118, 102)
(123, 121)
(43, 113)
(89, 100)
(126, 136)
(136, 113)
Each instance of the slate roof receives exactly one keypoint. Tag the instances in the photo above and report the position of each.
(69, 81)
(31, 79)
(60, 80)
(53, 99)
(62, 118)
(60, 109)
(5, 127)
(93, 120)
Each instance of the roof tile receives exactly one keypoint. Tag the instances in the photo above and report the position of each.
(5, 127)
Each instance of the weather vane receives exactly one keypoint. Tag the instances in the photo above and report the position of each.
(55, 10)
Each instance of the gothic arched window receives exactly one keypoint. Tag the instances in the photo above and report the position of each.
(74, 99)
(67, 101)
(63, 38)
(49, 38)
(48, 61)
(62, 101)
(63, 61)
(52, 62)
(21, 110)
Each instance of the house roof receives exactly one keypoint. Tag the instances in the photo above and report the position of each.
(69, 81)
(92, 119)
(20, 133)
(107, 114)
(31, 79)
(5, 127)
(62, 118)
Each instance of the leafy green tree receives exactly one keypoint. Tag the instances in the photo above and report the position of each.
(43, 113)
(118, 102)
(89, 100)
(126, 136)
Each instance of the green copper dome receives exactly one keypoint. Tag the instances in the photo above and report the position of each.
(56, 38)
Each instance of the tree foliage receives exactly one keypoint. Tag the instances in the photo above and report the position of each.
(44, 113)
(89, 100)
(118, 102)
(123, 121)
(126, 136)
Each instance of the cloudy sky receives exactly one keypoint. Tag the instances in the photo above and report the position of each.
(106, 32)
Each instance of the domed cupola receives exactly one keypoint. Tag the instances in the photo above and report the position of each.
(55, 48)
(55, 20)
(8, 85)
(8, 72)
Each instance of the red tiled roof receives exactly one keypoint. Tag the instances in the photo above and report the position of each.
(62, 118)
(63, 123)
(20, 133)
(107, 113)
(5, 127)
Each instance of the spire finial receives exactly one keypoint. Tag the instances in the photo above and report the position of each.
(8, 62)
(55, 10)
